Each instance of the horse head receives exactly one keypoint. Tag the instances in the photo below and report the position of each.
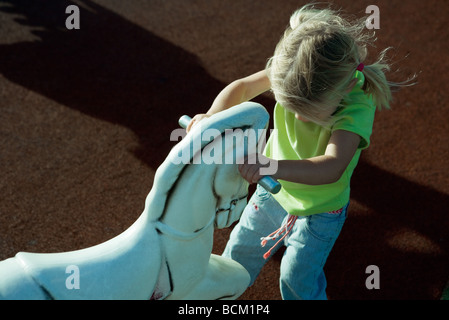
(198, 187)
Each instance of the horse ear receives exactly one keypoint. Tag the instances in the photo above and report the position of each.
(246, 115)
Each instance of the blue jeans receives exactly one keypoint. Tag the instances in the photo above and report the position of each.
(308, 245)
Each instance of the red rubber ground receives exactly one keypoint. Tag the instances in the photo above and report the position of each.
(86, 115)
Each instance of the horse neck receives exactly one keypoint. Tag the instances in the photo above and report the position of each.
(192, 204)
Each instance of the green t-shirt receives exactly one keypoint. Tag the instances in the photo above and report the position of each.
(293, 139)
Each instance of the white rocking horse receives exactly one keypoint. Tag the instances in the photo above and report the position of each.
(167, 252)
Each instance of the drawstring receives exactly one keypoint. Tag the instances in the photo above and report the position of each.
(286, 227)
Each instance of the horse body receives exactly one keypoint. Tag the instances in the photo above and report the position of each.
(111, 270)
(167, 252)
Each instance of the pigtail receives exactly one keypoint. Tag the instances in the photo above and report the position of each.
(377, 85)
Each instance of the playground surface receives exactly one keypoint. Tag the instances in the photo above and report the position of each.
(86, 115)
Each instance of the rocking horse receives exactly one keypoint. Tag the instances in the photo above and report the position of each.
(167, 252)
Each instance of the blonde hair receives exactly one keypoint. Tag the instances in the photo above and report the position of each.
(315, 61)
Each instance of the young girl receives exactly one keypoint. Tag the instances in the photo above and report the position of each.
(326, 99)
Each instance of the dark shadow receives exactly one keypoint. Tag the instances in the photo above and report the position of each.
(114, 70)
(397, 225)
(110, 69)
(402, 228)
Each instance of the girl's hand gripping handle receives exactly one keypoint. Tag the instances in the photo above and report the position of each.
(269, 184)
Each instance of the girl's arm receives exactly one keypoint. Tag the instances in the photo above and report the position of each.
(324, 169)
(239, 91)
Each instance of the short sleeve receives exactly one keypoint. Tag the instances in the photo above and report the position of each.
(356, 115)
